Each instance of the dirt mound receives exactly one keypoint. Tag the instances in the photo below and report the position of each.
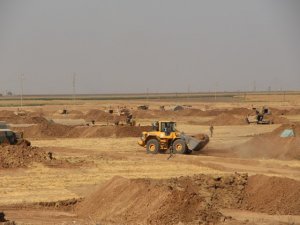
(272, 195)
(71, 114)
(45, 130)
(6, 113)
(192, 112)
(131, 131)
(146, 201)
(293, 112)
(156, 114)
(15, 156)
(240, 111)
(25, 118)
(99, 115)
(278, 112)
(225, 119)
(54, 130)
(275, 119)
(107, 131)
(278, 131)
(152, 114)
(16, 119)
(271, 145)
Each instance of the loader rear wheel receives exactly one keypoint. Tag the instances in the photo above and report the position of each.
(179, 146)
(152, 146)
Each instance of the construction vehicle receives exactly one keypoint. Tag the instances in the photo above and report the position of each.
(143, 107)
(260, 116)
(126, 119)
(164, 136)
(130, 121)
(10, 137)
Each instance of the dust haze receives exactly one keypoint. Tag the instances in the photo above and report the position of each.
(163, 46)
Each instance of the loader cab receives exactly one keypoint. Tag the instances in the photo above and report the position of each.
(166, 127)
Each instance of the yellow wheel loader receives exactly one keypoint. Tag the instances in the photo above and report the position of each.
(164, 136)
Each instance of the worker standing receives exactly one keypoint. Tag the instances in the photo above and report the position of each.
(294, 130)
(211, 129)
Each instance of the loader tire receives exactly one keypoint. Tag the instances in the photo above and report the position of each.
(152, 146)
(179, 146)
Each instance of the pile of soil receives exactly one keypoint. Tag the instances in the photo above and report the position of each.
(276, 119)
(99, 115)
(107, 131)
(189, 200)
(6, 113)
(15, 156)
(293, 112)
(15, 119)
(279, 112)
(190, 112)
(152, 114)
(45, 130)
(271, 145)
(71, 114)
(193, 112)
(240, 111)
(272, 195)
(193, 200)
(54, 130)
(26, 118)
(225, 119)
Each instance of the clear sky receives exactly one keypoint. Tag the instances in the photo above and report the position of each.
(126, 46)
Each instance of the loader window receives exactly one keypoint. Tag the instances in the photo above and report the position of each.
(168, 127)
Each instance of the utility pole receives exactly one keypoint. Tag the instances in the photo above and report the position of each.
(216, 87)
(22, 89)
(254, 86)
(74, 88)
(189, 92)
(147, 90)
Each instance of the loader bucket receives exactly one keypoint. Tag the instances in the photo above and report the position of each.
(196, 142)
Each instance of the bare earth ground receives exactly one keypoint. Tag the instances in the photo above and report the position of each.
(96, 160)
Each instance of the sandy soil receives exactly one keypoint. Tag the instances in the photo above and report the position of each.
(85, 163)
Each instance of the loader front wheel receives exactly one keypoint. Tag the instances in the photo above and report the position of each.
(179, 146)
(152, 146)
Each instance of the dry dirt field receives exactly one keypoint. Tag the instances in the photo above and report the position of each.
(98, 174)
